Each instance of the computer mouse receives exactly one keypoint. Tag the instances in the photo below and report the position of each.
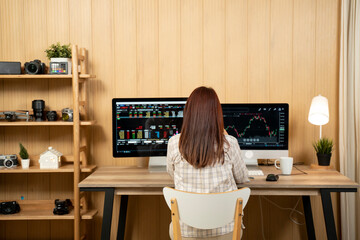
(272, 177)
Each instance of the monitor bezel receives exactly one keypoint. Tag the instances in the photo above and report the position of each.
(137, 154)
(256, 105)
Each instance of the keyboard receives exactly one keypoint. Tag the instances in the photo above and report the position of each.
(255, 173)
(254, 170)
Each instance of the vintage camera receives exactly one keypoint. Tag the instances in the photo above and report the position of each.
(8, 161)
(35, 67)
(62, 207)
(51, 116)
(9, 207)
(67, 114)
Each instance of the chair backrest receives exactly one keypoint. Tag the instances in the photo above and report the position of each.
(206, 210)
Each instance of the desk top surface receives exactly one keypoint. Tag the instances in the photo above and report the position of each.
(133, 177)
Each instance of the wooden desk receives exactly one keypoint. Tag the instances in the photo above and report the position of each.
(127, 181)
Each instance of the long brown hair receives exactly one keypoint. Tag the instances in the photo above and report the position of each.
(202, 134)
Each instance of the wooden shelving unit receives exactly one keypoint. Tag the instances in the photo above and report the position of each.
(74, 164)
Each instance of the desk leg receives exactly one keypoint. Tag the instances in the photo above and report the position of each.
(122, 217)
(308, 218)
(107, 214)
(328, 214)
(108, 208)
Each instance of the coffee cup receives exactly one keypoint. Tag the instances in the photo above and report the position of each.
(286, 164)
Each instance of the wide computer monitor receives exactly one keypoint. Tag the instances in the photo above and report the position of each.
(261, 129)
(142, 127)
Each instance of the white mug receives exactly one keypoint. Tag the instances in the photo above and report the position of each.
(286, 164)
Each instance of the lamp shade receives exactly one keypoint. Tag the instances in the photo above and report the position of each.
(319, 111)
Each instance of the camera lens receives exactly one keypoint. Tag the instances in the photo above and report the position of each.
(38, 108)
(8, 163)
(51, 116)
(32, 68)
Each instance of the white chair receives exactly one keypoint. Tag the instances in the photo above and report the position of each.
(206, 210)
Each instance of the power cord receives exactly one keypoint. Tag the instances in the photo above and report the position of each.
(300, 170)
(262, 219)
(292, 211)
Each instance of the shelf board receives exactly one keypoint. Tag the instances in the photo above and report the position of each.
(65, 168)
(42, 76)
(44, 123)
(46, 214)
(43, 210)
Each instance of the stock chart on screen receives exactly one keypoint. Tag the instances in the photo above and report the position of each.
(257, 126)
(143, 127)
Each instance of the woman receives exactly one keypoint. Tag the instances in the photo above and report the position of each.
(203, 158)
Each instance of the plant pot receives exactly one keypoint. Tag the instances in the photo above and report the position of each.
(323, 159)
(25, 163)
(61, 60)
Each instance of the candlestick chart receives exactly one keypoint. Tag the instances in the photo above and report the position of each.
(255, 128)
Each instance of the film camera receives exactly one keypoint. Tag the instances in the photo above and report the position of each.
(8, 161)
(35, 67)
(62, 207)
(9, 207)
(67, 114)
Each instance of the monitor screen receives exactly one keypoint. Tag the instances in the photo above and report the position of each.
(143, 126)
(258, 126)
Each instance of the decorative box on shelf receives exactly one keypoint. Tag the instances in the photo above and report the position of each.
(50, 159)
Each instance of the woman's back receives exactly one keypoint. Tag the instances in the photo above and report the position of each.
(202, 159)
(210, 179)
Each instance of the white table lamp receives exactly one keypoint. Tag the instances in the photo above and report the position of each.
(319, 111)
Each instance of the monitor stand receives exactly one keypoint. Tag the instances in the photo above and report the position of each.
(250, 157)
(157, 164)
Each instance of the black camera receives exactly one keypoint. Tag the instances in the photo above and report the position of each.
(8, 161)
(35, 67)
(62, 207)
(51, 116)
(9, 207)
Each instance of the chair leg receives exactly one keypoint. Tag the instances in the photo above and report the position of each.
(175, 219)
(238, 219)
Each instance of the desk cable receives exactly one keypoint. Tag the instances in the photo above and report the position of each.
(292, 211)
(299, 169)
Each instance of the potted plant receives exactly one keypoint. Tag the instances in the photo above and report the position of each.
(25, 161)
(323, 148)
(59, 54)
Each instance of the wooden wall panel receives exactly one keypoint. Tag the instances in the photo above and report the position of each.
(303, 80)
(191, 45)
(103, 87)
(214, 46)
(169, 48)
(147, 17)
(258, 50)
(126, 84)
(247, 50)
(236, 51)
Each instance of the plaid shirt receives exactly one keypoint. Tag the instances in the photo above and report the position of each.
(210, 179)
